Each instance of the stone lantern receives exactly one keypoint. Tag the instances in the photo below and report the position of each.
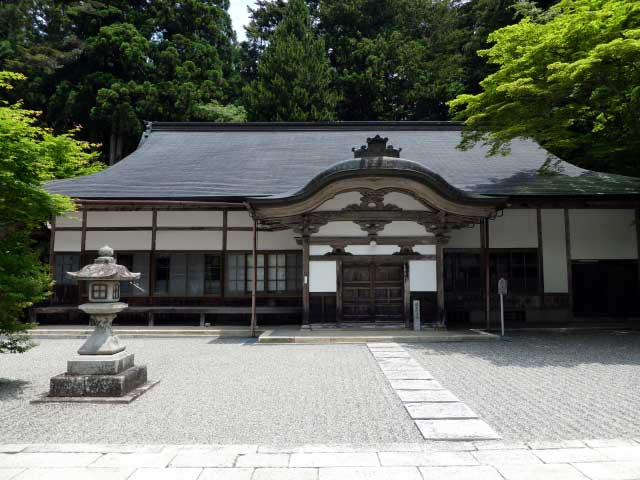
(102, 370)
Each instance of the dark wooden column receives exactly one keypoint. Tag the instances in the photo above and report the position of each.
(223, 260)
(567, 233)
(338, 292)
(152, 262)
(305, 279)
(407, 296)
(442, 316)
(254, 279)
(638, 244)
(540, 259)
(52, 250)
(83, 252)
(484, 243)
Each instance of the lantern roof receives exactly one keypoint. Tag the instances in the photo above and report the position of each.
(104, 268)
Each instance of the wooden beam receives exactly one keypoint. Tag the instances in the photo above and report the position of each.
(567, 233)
(372, 258)
(254, 279)
(442, 317)
(540, 259)
(484, 243)
(364, 240)
(305, 279)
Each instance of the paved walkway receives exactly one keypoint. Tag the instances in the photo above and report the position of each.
(438, 413)
(489, 460)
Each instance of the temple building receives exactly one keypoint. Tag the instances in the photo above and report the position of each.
(350, 223)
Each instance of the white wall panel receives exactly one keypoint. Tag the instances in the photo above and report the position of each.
(465, 238)
(425, 249)
(341, 229)
(514, 229)
(67, 241)
(402, 228)
(119, 219)
(189, 218)
(554, 251)
(340, 201)
(403, 201)
(239, 219)
(322, 276)
(372, 250)
(188, 240)
(422, 276)
(240, 240)
(119, 240)
(319, 249)
(71, 219)
(282, 240)
(603, 234)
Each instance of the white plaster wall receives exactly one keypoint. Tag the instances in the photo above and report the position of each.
(239, 219)
(422, 276)
(341, 229)
(189, 218)
(188, 240)
(282, 240)
(319, 249)
(425, 249)
(404, 228)
(71, 219)
(322, 276)
(67, 241)
(340, 201)
(603, 234)
(240, 240)
(119, 240)
(554, 252)
(372, 250)
(119, 219)
(516, 228)
(465, 238)
(403, 201)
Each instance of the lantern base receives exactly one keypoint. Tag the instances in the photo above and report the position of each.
(117, 385)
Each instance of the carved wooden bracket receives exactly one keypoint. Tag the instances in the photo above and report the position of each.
(372, 201)
(376, 147)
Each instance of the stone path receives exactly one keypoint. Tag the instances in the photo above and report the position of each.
(438, 413)
(486, 460)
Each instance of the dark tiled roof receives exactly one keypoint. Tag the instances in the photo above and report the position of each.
(198, 160)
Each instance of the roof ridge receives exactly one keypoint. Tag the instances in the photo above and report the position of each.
(302, 126)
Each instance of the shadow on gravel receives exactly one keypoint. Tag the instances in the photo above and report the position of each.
(233, 341)
(534, 350)
(11, 389)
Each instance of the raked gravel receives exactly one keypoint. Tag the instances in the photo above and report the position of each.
(213, 391)
(545, 386)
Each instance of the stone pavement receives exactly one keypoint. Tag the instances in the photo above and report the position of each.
(487, 460)
(437, 412)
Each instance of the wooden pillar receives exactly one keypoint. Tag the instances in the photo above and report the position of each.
(223, 261)
(305, 280)
(567, 233)
(52, 250)
(442, 317)
(484, 242)
(407, 296)
(638, 245)
(254, 279)
(338, 292)
(152, 253)
(540, 259)
(83, 253)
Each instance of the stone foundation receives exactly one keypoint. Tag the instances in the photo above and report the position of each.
(115, 385)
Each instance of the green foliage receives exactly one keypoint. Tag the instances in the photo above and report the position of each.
(570, 79)
(29, 155)
(110, 65)
(294, 78)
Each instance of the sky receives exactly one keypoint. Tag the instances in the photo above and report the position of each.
(240, 16)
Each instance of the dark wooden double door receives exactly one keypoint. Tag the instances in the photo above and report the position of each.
(372, 292)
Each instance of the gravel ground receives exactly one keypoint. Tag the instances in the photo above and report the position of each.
(213, 392)
(545, 386)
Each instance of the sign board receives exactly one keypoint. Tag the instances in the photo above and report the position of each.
(416, 315)
(502, 286)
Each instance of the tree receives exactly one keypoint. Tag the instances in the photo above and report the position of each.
(294, 80)
(110, 65)
(569, 79)
(29, 155)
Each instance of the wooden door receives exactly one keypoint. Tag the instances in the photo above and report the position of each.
(372, 292)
